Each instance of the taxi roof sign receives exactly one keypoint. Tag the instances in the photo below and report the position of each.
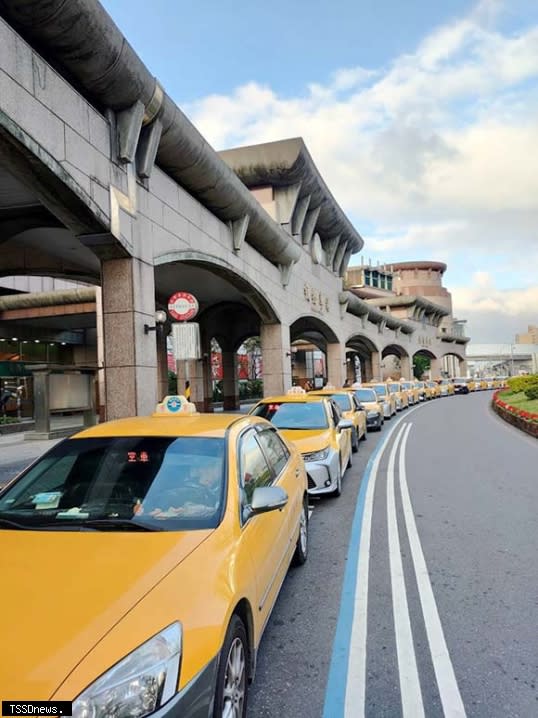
(296, 390)
(175, 405)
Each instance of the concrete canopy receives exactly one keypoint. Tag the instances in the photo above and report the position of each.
(288, 163)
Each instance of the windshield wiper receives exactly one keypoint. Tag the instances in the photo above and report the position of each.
(106, 524)
(6, 523)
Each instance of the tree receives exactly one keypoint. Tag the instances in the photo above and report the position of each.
(421, 364)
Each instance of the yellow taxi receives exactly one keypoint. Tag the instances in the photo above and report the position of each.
(143, 557)
(446, 386)
(317, 428)
(387, 399)
(399, 393)
(413, 392)
(369, 401)
(435, 389)
(481, 384)
(351, 409)
(424, 391)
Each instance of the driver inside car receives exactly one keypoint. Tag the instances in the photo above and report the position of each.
(196, 497)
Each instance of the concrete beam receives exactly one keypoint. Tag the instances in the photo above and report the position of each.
(238, 229)
(148, 144)
(299, 214)
(339, 256)
(128, 126)
(330, 246)
(285, 200)
(309, 225)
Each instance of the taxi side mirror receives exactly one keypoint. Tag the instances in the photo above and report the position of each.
(267, 498)
(344, 424)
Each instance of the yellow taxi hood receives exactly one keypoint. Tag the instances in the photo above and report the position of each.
(308, 440)
(62, 591)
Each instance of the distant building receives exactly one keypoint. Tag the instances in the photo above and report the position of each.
(531, 337)
(412, 291)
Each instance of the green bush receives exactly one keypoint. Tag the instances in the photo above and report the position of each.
(521, 383)
(531, 392)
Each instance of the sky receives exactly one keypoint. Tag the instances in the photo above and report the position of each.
(421, 116)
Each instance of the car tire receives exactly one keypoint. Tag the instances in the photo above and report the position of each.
(355, 442)
(232, 675)
(301, 549)
(338, 490)
(364, 436)
(349, 461)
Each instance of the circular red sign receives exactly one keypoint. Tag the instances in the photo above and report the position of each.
(183, 306)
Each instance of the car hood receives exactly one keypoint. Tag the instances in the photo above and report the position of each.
(62, 591)
(310, 440)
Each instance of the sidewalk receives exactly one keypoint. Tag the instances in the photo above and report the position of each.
(15, 449)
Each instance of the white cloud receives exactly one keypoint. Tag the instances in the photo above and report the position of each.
(435, 153)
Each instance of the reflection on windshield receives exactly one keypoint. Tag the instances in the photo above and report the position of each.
(294, 415)
(380, 389)
(161, 482)
(342, 400)
(366, 395)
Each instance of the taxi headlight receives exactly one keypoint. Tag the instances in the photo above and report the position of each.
(139, 684)
(316, 455)
(372, 414)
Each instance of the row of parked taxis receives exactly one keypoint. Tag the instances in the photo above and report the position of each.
(144, 556)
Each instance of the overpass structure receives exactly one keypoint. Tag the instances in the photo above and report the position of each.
(103, 180)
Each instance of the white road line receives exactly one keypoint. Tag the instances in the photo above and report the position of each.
(412, 705)
(355, 701)
(446, 680)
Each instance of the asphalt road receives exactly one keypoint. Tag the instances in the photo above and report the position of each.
(472, 483)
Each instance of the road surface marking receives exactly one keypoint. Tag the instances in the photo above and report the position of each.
(411, 695)
(346, 685)
(444, 671)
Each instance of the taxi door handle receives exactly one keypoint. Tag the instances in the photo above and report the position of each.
(297, 472)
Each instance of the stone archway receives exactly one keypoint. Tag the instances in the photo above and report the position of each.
(396, 362)
(316, 355)
(362, 358)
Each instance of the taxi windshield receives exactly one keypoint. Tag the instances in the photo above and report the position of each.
(407, 385)
(342, 400)
(380, 389)
(294, 415)
(365, 395)
(121, 483)
(394, 388)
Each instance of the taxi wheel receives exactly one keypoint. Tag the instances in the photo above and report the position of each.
(355, 442)
(301, 549)
(363, 437)
(232, 679)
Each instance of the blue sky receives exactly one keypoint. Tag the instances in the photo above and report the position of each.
(420, 115)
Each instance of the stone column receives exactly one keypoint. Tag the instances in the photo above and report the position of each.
(405, 368)
(463, 368)
(130, 355)
(435, 368)
(375, 361)
(101, 401)
(336, 364)
(276, 358)
(230, 384)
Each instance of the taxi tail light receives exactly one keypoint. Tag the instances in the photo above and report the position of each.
(139, 684)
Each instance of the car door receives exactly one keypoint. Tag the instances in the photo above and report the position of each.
(361, 419)
(266, 535)
(343, 438)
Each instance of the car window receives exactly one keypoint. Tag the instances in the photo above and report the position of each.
(343, 401)
(365, 395)
(254, 471)
(275, 450)
(294, 415)
(336, 413)
(169, 483)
